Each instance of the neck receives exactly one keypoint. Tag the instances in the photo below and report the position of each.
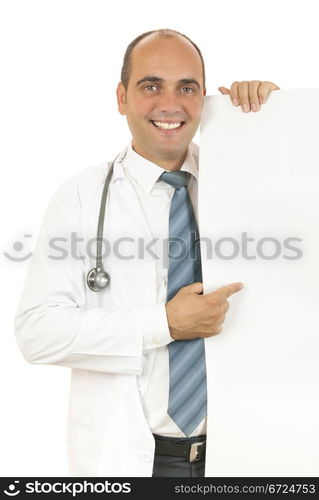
(172, 163)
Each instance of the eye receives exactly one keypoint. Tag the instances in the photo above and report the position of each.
(150, 88)
(188, 90)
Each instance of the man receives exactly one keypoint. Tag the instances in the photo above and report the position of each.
(138, 387)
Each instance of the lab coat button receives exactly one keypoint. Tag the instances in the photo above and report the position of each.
(146, 457)
(155, 339)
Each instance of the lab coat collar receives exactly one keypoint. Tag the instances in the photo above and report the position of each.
(145, 172)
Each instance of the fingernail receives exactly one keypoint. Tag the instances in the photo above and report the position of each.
(253, 106)
(235, 101)
(246, 107)
(261, 100)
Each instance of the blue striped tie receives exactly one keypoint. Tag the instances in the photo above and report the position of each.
(187, 404)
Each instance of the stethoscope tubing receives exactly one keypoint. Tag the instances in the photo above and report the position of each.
(97, 278)
(100, 225)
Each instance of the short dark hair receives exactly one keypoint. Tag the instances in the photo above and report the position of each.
(127, 61)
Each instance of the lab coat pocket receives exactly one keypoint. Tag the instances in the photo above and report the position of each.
(144, 379)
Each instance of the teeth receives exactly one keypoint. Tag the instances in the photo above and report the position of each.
(167, 126)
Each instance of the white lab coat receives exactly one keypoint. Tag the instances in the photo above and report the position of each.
(60, 321)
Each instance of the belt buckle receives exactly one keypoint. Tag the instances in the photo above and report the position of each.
(193, 455)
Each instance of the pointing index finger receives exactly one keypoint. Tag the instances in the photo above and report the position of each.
(226, 291)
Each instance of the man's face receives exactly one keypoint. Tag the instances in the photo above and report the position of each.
(165, 87)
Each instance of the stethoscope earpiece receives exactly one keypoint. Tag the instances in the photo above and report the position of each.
(97, 279)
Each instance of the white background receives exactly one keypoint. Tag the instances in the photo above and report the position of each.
(60, 64)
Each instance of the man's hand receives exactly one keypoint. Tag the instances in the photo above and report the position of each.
(191, 315)
(249, 95)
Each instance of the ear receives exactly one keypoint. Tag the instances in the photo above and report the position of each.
(121, 98)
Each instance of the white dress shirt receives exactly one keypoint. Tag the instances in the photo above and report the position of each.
(155, 198)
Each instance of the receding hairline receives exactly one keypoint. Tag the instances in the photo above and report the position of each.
(163, 34)
(160, 33)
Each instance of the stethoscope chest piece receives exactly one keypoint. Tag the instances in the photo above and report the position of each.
(97, 279)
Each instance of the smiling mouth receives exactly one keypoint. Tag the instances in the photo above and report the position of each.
(166, 125)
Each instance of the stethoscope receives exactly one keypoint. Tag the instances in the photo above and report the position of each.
(97, 278)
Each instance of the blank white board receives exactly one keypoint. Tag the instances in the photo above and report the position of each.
(259, 224)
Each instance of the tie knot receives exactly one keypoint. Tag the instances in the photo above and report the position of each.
(176, 178)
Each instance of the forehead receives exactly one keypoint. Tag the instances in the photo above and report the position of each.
(166, 57)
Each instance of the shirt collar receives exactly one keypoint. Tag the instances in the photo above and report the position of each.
(146, 173)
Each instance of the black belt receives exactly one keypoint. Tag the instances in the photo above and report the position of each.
(192, 452)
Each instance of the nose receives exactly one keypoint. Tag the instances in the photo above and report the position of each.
(169, 103)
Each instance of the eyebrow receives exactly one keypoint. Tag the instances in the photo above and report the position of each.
(156, 79)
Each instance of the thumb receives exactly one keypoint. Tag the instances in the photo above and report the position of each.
(224, 90)
(195, 287)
